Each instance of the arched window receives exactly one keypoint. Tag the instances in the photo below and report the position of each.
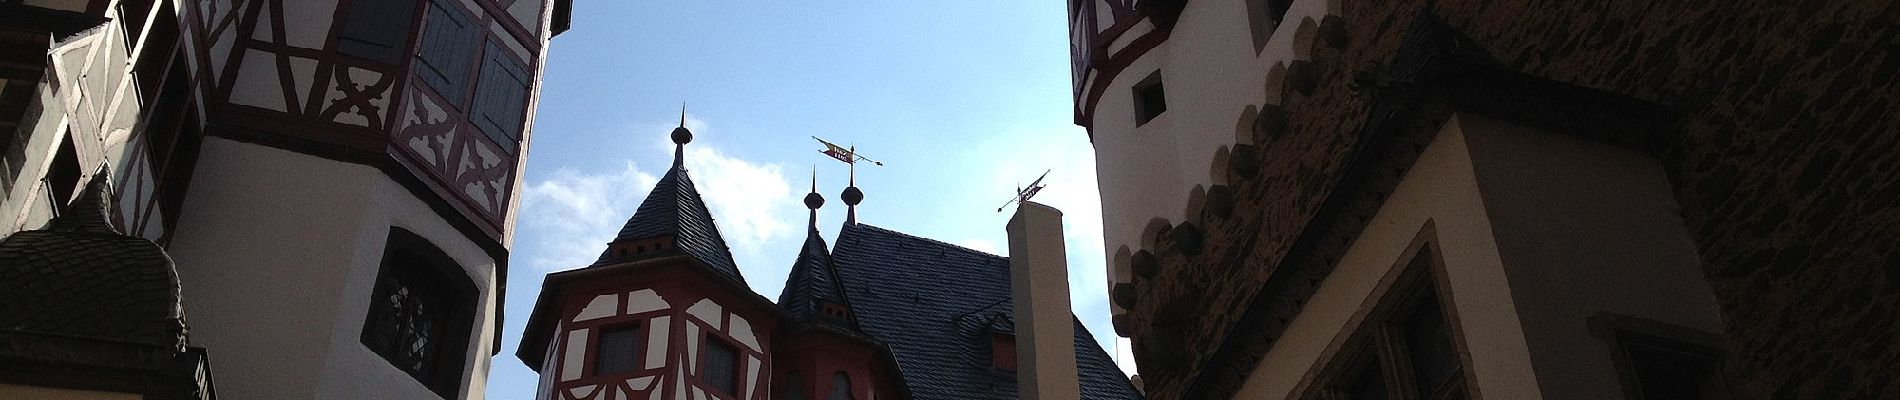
(420, 312)
(840, 387)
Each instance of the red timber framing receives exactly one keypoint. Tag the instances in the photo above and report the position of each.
(1093, 65)
(681, 283)
(364, 111)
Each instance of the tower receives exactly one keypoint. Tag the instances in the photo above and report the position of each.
(663, 314)
(334, 179)
(825, 354)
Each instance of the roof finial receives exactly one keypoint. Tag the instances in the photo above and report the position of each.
(813, 200)
(681, 137)
(852, 196)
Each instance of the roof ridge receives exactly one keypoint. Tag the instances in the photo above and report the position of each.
(940, 242)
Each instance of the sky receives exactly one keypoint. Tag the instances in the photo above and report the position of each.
(962, 101)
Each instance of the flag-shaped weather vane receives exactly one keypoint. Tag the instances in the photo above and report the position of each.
(847, 155)
(1024, 193)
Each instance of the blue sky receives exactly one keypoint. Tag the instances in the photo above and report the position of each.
(961, 100)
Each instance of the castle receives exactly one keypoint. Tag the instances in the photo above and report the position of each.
(1461, 199)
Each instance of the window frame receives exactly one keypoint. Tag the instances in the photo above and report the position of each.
(451, 81)
(1623, 331)
(1144, 111)
(1376, 333)
(737, 369)
(1263, 18)
(638, 329)
(453, 293)
(351, 35)
(507, 134)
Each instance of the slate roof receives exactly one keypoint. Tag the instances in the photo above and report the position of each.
(80, 278)
(933, 302)
(674, 208)
(810, 282)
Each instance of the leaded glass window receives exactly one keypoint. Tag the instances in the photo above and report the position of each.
(420, 313)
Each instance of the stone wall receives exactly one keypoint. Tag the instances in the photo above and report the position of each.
(1782, 157)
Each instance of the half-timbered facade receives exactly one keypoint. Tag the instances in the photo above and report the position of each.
(665, 314)
(344, 169)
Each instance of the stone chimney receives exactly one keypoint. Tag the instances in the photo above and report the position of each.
(1039, 282)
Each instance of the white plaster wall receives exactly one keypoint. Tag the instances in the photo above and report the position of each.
(1538, 232)
(87, 94)
(1442, 189)
(1210, 73)
(1586, 228)
(278, 258)
(45, 393)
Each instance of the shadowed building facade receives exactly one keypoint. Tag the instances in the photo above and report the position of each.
(1481, 199)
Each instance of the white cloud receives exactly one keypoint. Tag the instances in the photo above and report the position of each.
(749, 201)
(572, 214)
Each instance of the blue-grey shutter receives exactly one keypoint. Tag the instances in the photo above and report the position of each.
(449, 37)
(501, 97)
(377, 30)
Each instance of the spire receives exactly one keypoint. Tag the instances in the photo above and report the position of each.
(673, 210)
(852, 196)
(812, 200)
(812, 293)
(681, 137)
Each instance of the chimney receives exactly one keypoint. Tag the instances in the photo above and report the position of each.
(1039, 282)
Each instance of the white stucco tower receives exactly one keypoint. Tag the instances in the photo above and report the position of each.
(335, 179)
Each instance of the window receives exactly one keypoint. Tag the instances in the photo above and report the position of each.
(1405, 349)
(1264, 16)
(377, 30)
(1150, 101)
(501, 98)
(617, 350)
(448, 49)
(719, 366)
(840, 387)
(1003, 351)
(1660, 369)
(420, 313)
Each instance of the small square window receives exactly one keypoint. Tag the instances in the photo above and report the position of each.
(719, 363)
(617, 350)
(1150, 100)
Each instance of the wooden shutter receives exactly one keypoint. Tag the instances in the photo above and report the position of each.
(449, 37)
(377, 30)
(501, 99)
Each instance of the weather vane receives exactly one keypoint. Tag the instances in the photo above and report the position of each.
(1024, 193)
(847, 155)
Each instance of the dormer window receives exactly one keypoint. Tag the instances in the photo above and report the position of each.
(1003, 351)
